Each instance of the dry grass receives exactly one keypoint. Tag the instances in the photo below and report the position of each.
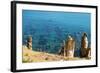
(34, 56)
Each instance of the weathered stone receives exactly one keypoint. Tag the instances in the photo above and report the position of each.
(69, 47)
(84, 45)
(89, 52)
(29, 42)
(61, 51)
(84, 41)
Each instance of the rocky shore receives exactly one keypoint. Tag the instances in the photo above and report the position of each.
(35, 56)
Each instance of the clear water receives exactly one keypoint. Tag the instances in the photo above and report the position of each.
(49, 28)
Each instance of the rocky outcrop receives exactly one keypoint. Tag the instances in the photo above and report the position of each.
(85, 51)
(88, 53)
(29, 42)
(68, 48)
(66, 52)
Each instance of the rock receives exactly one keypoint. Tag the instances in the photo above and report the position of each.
(61, 51)
(89, 52)
(84, 45)
(69, 47)
(84, 41)
(29, 42)
(83, 52)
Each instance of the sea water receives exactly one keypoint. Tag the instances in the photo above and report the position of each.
(49, 28)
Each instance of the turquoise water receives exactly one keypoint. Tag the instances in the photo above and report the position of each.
(49, 28)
